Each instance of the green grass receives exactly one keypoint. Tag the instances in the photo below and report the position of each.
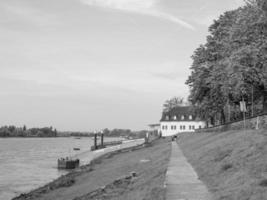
(233, 164)
(120, 175)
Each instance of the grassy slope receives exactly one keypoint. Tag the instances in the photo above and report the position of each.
(233, 164)
(105, 177)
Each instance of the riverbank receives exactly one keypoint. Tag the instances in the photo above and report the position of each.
(232, 164)
(133, 173)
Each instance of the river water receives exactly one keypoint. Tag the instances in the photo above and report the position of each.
(28, 163)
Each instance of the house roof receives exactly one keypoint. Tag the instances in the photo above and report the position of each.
(153, 125)
(181, 113)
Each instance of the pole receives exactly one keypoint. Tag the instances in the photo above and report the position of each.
(95, 141)
(229, 111)
(244, 114)
(102, 139)
(252, 102)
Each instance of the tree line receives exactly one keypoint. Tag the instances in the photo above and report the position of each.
(13, 131)
(111, 133)
(232, 65)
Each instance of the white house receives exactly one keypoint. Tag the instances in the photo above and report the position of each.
(178, 120)
(154, 128)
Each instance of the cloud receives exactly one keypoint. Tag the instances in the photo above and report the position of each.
(145, 7)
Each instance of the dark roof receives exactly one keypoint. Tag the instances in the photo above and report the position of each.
(181, 113)
(153, 125)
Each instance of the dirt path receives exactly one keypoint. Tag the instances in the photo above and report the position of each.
(112, 177)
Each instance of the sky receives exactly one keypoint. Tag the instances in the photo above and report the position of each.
(84, 65)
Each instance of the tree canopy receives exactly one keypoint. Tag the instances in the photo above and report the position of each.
(172, 103)
(232, 64)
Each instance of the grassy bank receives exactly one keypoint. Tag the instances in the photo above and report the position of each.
(233, 164)
(136, 173)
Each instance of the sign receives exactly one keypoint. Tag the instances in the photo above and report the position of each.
(243, 107)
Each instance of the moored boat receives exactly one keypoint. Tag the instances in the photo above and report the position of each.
(68, 163)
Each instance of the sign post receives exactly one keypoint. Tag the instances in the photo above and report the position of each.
(244, 110)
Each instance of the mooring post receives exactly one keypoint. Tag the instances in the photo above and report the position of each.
(95, 141)
(102, 139)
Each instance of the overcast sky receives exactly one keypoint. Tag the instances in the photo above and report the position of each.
(91, 64)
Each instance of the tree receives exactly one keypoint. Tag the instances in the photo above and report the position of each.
(172, 103)
(232, 62)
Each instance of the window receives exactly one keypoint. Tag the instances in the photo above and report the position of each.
(190, 117)
(164, 127)
(193, 127)
(184, 127)
(174, 127)
(171, 127)
(174, 117)
(181, 127)
(189, 127)
(199, 127)
(182, 117)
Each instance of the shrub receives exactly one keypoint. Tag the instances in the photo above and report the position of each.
(225, 167)
(263, 183)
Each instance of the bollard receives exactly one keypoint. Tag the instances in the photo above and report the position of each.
(95, 141)
(102, 140)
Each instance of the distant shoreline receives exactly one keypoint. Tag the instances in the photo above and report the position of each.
(60, 136)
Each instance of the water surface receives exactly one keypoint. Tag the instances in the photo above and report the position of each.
(28, 163)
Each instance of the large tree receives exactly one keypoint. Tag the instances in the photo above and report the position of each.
(232, 62)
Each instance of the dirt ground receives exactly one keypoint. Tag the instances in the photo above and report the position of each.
(132, 174)
(233, 164)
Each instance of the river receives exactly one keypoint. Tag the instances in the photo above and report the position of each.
(28, 163)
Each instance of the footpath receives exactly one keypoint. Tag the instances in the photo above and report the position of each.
(88, 156)
(181, 179)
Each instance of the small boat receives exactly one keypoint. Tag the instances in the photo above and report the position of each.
(76, 149)
(67, 163)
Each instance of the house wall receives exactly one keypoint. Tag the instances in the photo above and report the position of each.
(154, 128)
(169, 132)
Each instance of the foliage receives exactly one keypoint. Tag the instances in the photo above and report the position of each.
(232, 63)
(109, 133)
(172, 103)
(124, 133)
(12, 131)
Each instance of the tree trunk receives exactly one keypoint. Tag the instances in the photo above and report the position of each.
(264, 102)
(212, 121)
(222, 117)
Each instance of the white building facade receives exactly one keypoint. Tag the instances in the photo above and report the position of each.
(154, 128)
(178, 120)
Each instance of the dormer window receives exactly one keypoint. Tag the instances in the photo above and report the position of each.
(182, 117)
(190, 117)
(174, 117)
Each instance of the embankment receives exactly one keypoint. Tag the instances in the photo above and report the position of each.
(132, 173)
(233, 164)
(256, 122)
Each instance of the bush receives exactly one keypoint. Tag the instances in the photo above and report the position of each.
(263, 183)
(225, 167)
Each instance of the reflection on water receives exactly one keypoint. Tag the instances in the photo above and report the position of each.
(27, 163)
